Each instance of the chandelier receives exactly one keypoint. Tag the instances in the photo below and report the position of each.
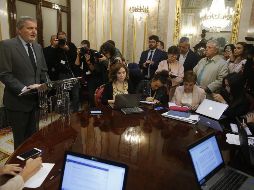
(140, 9)
(217, 17)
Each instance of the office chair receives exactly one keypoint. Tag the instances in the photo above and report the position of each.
(98, 95)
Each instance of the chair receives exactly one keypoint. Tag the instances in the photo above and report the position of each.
(98, 94)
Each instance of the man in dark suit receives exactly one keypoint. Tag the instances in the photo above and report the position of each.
(150, 59)
(51, 59)
(22, 68)
(187, 57)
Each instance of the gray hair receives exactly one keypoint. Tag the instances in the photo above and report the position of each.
(21, 22)
(184, 39)
(215, 43)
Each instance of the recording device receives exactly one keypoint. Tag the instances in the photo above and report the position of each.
(93, 53)
(61, 42)
(29, 154)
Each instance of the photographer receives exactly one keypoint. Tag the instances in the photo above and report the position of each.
(110, 54)
(64, 55)
(94, 72)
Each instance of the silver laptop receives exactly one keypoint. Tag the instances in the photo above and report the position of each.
(211, 109)
(127, 103)
(210, 170)
(83, 172)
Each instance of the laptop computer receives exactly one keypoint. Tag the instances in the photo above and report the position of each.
(205, 121)
(127, 103)
(210, 169)
(87, 172)
(211, 109)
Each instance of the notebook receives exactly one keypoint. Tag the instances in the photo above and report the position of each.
(127, 103)
(211, 109)
(182, 116)
(87, 172)
(210, 169)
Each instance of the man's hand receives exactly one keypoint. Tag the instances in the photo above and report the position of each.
(148, 62)
(10, 169)
(103, 58)
(88, 57)
(40, 87)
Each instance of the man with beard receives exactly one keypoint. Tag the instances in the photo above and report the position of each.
(149, 59)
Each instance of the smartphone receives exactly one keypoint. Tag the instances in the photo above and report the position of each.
(29, 154)
(95, 111)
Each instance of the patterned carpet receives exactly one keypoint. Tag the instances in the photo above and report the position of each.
(6, 139)
(6, 144)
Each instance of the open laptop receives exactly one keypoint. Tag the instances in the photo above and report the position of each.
(211, 109)
(210, 169)
(82, 172)
(127, 103)
(208, 122)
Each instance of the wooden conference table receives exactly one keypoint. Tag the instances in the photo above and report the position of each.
(153, 147)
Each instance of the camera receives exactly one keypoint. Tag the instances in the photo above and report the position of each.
(61, 42)
(93, 53)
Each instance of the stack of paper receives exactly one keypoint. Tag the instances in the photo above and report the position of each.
(234, 139)
(182, 116)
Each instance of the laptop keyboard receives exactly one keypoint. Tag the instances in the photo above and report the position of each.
(131, 110)
(231, 180)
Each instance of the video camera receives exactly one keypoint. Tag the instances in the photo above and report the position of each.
(61, 42)
(93, 53)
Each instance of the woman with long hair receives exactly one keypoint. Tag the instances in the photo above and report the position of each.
(118, 83)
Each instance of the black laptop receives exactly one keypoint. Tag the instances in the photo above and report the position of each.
(210, 170)
(82, 172)
(127, 103)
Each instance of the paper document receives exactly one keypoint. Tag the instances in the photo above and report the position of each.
(36, 180)
(234, 139)
(234, 129)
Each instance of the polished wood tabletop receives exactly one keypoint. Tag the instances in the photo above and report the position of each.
(154, 147)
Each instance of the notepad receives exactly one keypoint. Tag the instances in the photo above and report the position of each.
(36, 180)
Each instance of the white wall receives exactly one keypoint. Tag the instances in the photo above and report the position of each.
(4, 24)
(76, 21)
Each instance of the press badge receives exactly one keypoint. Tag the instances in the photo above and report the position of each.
(63, 62)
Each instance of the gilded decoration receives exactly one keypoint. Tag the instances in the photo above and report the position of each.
(236, 21)
(177, 22)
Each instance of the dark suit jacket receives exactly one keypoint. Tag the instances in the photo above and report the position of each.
(16, 72)
(157, 58)
(191, 61)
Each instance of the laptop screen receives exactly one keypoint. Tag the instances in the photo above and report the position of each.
(206, 158)
(81, 173)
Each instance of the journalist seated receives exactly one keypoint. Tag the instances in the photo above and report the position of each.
(233, 94)
(119, 83)
(21, 174)
(157, 89)
(189, 94)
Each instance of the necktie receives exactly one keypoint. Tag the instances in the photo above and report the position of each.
(200, 76)
(150, 59)
(31, 56)
(151, 55)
